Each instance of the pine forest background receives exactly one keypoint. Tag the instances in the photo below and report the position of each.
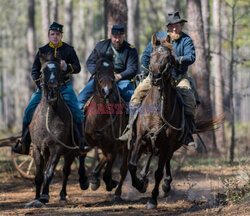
(219, 28)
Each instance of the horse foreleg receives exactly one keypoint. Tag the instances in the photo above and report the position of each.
(49, 173)
(167, 181)
(123, 173)
(68, 160)
(107, 175)
(145, 169)
(152, 203)
(83, 178)
(139, 184)
(95, 180)
(39, 161)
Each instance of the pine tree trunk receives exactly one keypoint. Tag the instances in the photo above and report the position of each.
(115, 14)
(217, 70)
(54, 11)
(68, 22)
(45, 19)
(133, 22)
(31, 43)
(199, 69)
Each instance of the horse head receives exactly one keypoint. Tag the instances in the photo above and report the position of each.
(104, 73)
(51, 77)
(161, 60)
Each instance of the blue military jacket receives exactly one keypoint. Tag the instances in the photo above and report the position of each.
(129, 57)
(65, 52)
(183, 48)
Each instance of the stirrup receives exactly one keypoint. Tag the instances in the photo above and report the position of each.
(20, 148)
(125, 136)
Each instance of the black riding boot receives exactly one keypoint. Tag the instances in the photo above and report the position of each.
(189, 140)
(23, 146)
(78, 135)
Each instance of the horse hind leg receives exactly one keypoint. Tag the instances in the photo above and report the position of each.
(123, 174)
(166, 187)
(95, 180)
(68, 160)
(83, 178)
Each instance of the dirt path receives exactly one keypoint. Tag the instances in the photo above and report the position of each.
(193, 193)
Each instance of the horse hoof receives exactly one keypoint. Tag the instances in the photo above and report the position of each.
(44, 198)
(112, 185)
(34, 204)
(117, 198)
(144, 187)
(166, 189)
(84, 185)
(95, 186)
(63, 202)
(151, 205)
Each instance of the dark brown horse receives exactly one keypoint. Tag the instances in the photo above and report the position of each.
(51, 132)
(106, 118)
(159, 131)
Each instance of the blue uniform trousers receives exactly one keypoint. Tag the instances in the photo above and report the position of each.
(68, 95)
(125, 87)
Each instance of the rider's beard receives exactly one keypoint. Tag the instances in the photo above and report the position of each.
(174, 36)
(117, 45)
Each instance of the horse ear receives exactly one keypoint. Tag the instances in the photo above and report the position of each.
(154, 41)
(42, 57)
(96, 54)
(168, 39)
(111, 54)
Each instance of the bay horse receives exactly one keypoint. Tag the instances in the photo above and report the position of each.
(106, 118)
(51, 131)
(161, 131)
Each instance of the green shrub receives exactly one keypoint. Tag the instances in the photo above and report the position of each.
(236, 188)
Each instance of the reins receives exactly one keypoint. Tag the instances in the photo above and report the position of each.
(166, 123)
(54, 137)
(112, 120)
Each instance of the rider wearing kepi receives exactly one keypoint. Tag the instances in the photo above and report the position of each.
(184, 55)
(125, 59)
(69, 65)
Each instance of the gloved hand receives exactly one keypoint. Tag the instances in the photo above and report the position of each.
(64, 67)
(142, 75)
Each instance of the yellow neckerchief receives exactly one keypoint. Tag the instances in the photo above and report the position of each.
(52, 45)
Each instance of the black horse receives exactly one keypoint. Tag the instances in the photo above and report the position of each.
(106, 118)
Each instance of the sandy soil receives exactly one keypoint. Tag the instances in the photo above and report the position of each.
(194, 192)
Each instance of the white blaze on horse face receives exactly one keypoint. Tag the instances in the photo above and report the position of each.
(51, 66)
(106, 90)
(105, 64)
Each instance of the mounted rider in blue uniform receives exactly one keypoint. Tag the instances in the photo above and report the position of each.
(69, 65)
(125, 59)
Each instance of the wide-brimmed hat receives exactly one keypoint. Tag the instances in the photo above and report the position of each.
(174, 18)
(117, 30)
(56, 26)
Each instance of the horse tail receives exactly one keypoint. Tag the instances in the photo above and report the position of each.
(209, 125)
